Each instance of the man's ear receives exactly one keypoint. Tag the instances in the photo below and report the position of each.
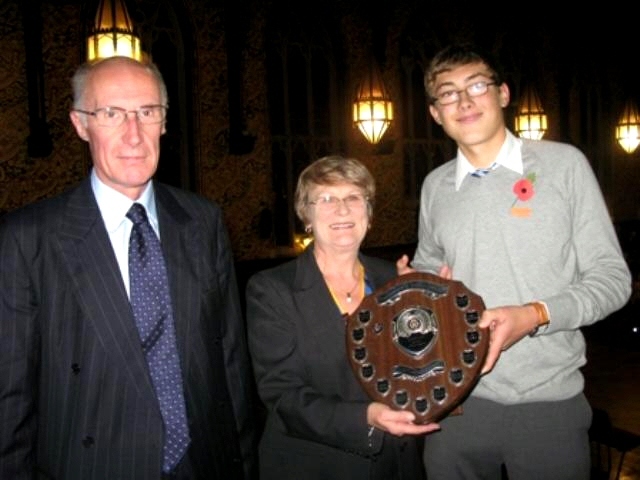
(80, 127)
(435, 114)
(505, 95)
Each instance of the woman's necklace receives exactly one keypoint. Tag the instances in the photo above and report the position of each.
(359, 282)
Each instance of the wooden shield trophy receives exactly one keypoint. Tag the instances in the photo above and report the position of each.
(414, 344)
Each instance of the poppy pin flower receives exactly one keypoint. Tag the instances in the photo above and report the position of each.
(524, 191)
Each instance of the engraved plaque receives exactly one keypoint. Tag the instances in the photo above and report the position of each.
(414, 344)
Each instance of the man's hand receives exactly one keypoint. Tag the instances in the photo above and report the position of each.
(506, 325)
(402, 265)
(445, 272)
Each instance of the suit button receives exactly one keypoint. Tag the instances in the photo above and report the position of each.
(75, 368)
(88, 442)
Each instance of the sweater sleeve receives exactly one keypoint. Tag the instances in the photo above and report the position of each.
(602, 283)
(429, 256)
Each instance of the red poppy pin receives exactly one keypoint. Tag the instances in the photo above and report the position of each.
(524, 191)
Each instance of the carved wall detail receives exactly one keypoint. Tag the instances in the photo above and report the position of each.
(234, 140)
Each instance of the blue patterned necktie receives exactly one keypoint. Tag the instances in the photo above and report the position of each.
(481, 172)
(151, 303)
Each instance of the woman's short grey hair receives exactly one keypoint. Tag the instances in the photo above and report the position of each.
(333, 170)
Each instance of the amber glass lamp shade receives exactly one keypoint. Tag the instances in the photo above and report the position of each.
(628, 128)
(372, 107)
(301, 241)
(530, 120)
(113, 32)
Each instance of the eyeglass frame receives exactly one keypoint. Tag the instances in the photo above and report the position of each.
(456, 94)
(332, 202)
(94, 114)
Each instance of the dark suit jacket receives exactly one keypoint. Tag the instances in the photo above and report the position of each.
(316, 426)
(76, 399)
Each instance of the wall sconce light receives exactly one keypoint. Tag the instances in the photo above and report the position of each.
(113, 32)
(628, 128)
(301, 241)
(372, 108)
(530, 121)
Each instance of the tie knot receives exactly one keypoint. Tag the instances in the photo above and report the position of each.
(481, 172)
(137, 214)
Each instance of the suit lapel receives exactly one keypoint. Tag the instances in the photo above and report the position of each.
(89, 257)
(321, 315)
(180, 244)
(376, 275)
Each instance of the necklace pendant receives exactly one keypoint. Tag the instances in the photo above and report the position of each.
(348, 297)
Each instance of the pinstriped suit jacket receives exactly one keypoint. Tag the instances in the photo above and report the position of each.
(76, 399)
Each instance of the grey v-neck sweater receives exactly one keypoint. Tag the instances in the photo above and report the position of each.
(557, 245)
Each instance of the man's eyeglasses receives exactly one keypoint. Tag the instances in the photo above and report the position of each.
(447, 97)
(116, 116)
(329, 202)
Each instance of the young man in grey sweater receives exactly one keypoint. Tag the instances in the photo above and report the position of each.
(533, 237)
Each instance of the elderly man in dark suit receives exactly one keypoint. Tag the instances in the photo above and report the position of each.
(101, 377)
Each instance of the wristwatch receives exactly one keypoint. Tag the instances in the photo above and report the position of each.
(543, 318)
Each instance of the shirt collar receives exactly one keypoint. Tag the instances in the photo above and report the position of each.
(509, 156)
(114, 205)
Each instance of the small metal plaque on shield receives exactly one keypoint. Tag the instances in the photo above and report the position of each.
(414, 344)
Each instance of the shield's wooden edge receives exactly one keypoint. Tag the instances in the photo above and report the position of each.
(414, 344)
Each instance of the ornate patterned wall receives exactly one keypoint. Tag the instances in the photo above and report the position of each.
(242, 181)
(24, 179)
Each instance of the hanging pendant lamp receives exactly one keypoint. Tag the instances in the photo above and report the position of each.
(530, 121)
(113, 32)
(372, 108)
(628, 128)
